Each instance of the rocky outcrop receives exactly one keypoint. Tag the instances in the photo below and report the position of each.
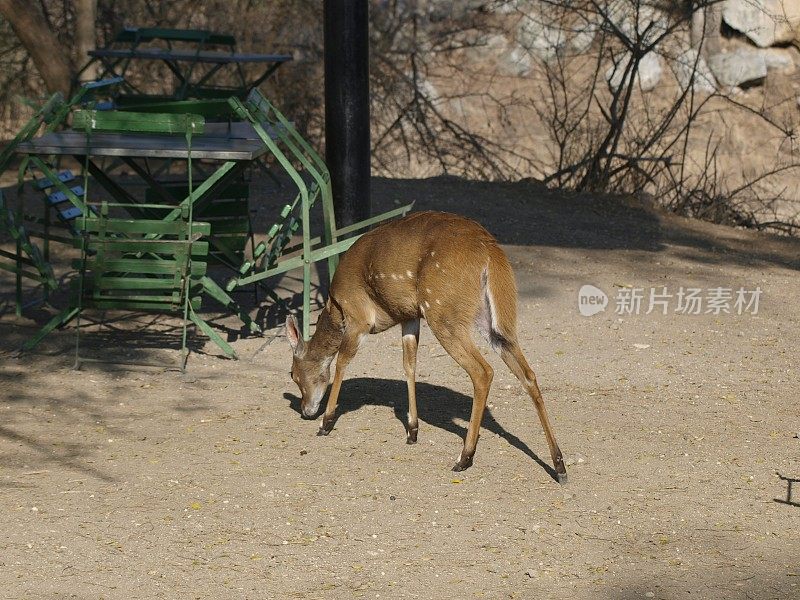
(743, 66)
(648, 74)
(765, 22)
(536, 34)
(779, 59)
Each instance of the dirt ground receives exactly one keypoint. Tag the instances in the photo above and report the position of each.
(677, 429)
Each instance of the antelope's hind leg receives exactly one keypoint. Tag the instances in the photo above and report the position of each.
(459, 344)
(410, 344)
(515, 359)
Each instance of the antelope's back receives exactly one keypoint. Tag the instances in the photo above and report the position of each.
(424, 256)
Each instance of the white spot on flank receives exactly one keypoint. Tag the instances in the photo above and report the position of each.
(410, 274)
(382, 275)
(437, 266)
(438, 301)
(428, 290)
(433, 252)
(394, 276)
(427, 305)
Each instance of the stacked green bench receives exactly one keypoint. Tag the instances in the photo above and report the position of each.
(154, 261)
(25, 226)
(123, 267)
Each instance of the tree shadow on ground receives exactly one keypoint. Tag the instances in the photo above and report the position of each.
(527, 213)
(436, 405)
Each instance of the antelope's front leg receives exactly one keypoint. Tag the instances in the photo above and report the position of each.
(410, 343)
(347, 351)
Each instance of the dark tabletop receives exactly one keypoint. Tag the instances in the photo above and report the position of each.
(203, 56)
(221, 141)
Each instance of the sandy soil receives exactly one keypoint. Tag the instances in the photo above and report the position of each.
(119, 483)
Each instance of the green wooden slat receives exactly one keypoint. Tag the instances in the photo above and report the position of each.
(60, 319)
(215, 337)
(108, 282)
(169, 247)
(145, 226)
(397, 212)
(133, 122)
(148, 267)
(138, 305)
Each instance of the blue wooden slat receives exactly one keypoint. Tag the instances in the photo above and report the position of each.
(63, 176)
(70, 213)
(59, 196)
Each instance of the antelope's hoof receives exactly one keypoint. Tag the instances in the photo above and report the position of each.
(325, 429)
(463, 464)
(411, 437)
(562, 478)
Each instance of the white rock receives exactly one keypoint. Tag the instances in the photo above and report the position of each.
(519, 61)
(687, 63)
(742, 66)
(648, 25)
(765, 22)
(778, 58)
(510, 58)
(539, 38)
(648, 74)
(581, 38)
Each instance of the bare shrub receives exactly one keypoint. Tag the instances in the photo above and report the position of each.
(507, 89)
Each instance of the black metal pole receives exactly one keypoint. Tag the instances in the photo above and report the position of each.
(347, 139)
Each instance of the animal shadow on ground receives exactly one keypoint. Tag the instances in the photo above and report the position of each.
(436, 405)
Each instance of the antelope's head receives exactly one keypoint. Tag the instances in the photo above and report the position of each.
(311, 374)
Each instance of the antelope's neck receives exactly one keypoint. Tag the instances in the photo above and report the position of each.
(327, 337)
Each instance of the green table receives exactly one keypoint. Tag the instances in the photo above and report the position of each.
(196, 57)
(232, 148)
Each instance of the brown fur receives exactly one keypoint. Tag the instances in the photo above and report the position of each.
(441, 267)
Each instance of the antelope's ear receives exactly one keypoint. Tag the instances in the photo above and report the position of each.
(294, 335)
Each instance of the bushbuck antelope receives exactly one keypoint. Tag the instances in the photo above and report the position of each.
(441, 267)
